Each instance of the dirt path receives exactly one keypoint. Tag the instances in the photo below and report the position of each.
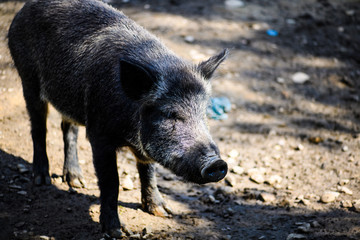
(288, 144)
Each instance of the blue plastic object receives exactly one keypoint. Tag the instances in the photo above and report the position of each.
(218, 108)
(272, 32)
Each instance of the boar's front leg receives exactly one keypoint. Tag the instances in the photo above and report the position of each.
(106, 170)
(151, 199)
(37, 110)
(72, 171)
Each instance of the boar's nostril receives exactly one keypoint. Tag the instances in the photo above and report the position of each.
(215, 171)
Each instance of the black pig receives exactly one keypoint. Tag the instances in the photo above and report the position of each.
(100, 69)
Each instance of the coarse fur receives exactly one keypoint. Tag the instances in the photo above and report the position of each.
(100, 69)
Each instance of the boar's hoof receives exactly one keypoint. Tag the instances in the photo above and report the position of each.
(214, 171)
(113, 233)
(42, 179)
(75, 181)
(160, 210)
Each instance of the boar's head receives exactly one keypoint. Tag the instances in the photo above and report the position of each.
(171, 117)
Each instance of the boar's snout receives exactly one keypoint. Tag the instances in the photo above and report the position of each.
(214, 170)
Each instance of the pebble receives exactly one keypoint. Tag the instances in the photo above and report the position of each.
(23, 193)
(343, 182)
(315, 224)
(299, 147)
(233, 153)
(280, 80)
(230, 180)
(356, 205)
(293, 236)
(127, 183)
(300, 77)
(19, 224)
(274, 179)
(237, 170)
(189, 39)
(305, 228)
(345, 148)
(346, 204)
(257, 178)
(345, 190)
(234, 4)
(15, 187)
(267, 197)
(329, 196)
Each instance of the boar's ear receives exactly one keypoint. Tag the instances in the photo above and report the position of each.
(208, 67)
(136, 80)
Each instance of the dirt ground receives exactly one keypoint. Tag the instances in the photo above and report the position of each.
(293, 148)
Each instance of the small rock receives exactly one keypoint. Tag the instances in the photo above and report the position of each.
(345, 148)
(329, 196)
(305, 228)
(293, 236)
(315, 224)
(234, 4)
(343, 182)
(356, 205)
(233, 153)
(346, 204)
(345, 190)
(300, 78)
(257, 178)
(189, 39)
(230, 180)
(280, 80)
(350, 12)
(135, 236)
(299, 147)
(237, 170)
(17, 187)
(267, 197)
(19, 224)
(127, 183)
(23, 193)
(290, 21)
(316, 140)
(44, 237)
(274, 179)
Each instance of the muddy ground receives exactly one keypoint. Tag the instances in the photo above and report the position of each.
(287, 143)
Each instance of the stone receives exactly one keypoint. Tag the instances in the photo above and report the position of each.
(273, 180)
(304, 228)
(257, 178)
(346, 204)
(345, 148)
(300, 77)
(343, 189)
(23, 193)
(295, 236)
(233, 153)
(237, 170)
(267, 197)
(230, 180)
(189, 39)
(329, 196)
(315, 224)
(343, 182)
(356, 205)
(234, 4)
(127, 183)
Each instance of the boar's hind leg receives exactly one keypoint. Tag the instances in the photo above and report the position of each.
(37, 110)
(72, 171)
(108, 180)
(151, 199)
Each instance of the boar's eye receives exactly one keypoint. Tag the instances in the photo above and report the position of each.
(174, 116)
